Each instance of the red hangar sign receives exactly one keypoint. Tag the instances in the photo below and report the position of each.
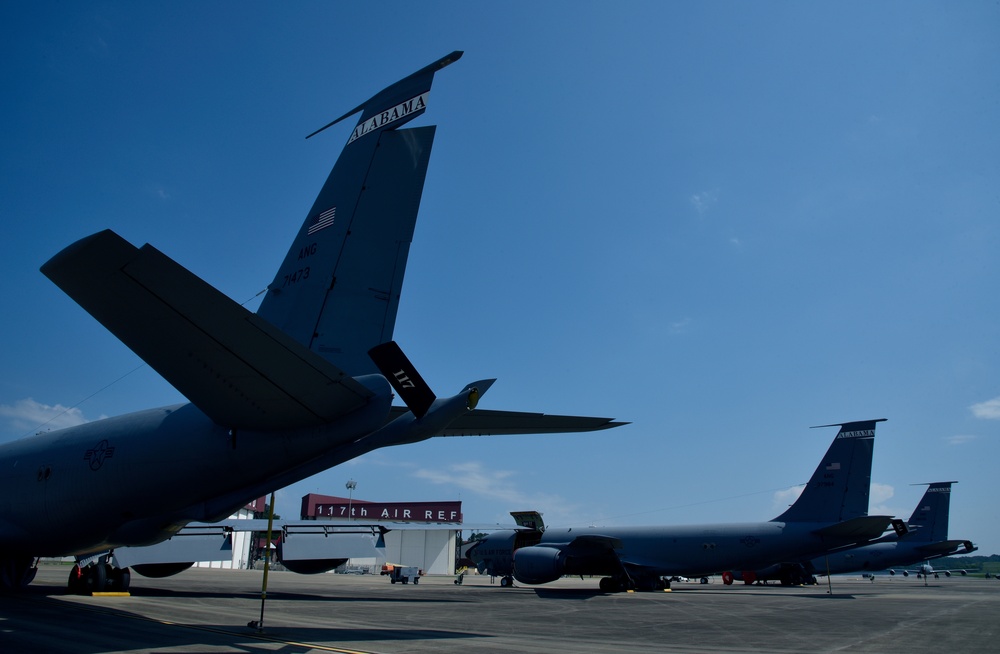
(323, 506)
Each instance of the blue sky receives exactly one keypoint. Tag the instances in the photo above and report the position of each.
(724, 222)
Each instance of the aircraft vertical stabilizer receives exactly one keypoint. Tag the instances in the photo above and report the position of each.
(839, 488)
(929, 521)
(337, 291)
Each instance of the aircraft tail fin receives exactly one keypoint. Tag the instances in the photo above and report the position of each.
(929, 521)
(338, 289)
(839, 487)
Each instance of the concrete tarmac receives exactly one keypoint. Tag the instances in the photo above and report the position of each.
(207, 611)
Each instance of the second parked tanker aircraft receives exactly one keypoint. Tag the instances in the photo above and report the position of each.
(926, 538)
(275, 396)
(830, 514)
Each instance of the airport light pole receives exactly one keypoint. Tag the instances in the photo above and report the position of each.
(351, 485)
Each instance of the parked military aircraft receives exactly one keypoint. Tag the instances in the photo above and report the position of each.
(831, 513)
(926, 539)
(275, 396)
(925, 570)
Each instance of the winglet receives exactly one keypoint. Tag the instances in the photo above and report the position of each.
(404, 89)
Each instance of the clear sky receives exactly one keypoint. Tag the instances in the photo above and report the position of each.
(724, 222)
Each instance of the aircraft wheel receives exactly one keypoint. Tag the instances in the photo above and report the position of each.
(17, 572)
(607, 585)
(506, 581)
(704, 580)
(92, 579)
(119, 579)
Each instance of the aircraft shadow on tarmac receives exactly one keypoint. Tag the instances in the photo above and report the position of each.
(569, 594)
(586, 594)
(92, 629)
(279, 595)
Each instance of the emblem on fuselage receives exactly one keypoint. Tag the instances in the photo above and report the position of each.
(97, 455)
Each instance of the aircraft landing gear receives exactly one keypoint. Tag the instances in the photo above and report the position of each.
(98, 578)
(506, 581)
(16, 573)
(617, 584)
(119, 579)
(797, 577)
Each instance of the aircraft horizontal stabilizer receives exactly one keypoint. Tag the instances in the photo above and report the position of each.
(947, 547)
(236, 367)
(485, 422)
(863, 528)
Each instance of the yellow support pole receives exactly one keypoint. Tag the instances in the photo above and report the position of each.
(259, 624)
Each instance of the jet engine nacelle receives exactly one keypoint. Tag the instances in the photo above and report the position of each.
(161, 570)
(312, 566)
(538, 565)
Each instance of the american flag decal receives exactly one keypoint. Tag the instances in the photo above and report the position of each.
(323, 220)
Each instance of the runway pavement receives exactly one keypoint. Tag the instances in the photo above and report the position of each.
(208, 610)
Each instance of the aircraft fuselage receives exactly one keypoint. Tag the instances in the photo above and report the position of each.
(689, 550)
(137, 478)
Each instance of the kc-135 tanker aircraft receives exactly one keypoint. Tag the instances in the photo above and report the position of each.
(831, 514)
(295, 379)
(926, 538)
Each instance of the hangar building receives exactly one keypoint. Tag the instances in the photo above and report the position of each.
(427, 536)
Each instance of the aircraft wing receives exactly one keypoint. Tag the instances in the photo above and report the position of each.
(863, 528)
(484, 422)
(237, 368)
(946, 547)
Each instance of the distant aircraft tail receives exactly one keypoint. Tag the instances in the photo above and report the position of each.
(839, 488)
(929, 521)
(338, 289)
